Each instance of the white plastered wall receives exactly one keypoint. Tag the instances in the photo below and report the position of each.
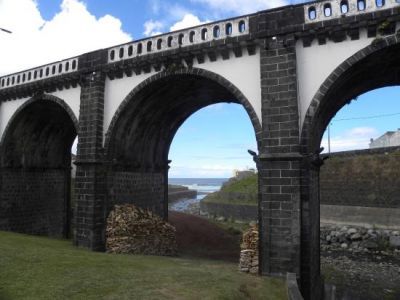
(115, 93)
(7, 110)
(243, 72)
(316, 63)
(72, 97)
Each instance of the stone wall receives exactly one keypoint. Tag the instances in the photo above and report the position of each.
(178, 192)
(145, 190)
(361, 216)
(34, 202)
(236, 212)
(367, 178)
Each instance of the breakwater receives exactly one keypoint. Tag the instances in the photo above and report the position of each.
(179, 192)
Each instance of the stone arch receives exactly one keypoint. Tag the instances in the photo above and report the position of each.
(189, 71)
(141, 131)
(375, 66)
(36, 167)
(47, 97)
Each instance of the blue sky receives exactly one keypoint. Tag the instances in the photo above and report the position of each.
(214, 141)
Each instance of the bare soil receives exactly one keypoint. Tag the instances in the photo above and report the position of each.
(198, 237)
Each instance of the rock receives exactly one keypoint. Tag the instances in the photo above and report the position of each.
(395, 241)
(396, 233)
(370, 231)
(344, 246)
(328, 238)
(355, 237)
(221, 219)
(373, 236)
(344, 229)
(351, 231)
(370, 245)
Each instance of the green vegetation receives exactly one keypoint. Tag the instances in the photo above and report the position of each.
(42, 268)
(238, 192)
(235, 228)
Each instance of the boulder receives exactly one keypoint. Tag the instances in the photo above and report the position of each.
(355, 237)
(395, 241)
(370, 245)
(351, 231)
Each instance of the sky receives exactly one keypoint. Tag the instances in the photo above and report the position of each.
(214, 141)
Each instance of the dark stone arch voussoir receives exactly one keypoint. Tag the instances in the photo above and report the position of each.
(375, 66)
(236, 93)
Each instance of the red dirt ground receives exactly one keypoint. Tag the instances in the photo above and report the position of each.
(198, 237)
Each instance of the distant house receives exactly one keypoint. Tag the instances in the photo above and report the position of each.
(243, 174)
(389, 139)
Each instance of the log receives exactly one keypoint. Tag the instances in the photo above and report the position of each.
(131, 230)
(248, 261)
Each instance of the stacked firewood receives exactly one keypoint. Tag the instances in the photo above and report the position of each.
(249, 254)
(133, 230)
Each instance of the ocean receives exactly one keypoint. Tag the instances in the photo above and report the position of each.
(203, 186)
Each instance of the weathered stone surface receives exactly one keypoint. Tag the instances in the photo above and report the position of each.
(395, 241)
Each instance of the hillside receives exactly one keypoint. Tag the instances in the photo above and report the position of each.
(237, 191)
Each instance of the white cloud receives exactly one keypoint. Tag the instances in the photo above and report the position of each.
(242, 6)
(155, 6)
(152, 28)
(188, 20)
(35, 41)
(352, 139)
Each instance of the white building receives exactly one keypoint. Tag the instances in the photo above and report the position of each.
(389, 139)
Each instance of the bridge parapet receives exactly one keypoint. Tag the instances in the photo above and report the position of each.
(183, 38)
(327, 10)
(65, 66)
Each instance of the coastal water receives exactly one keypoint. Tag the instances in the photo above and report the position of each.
(203, 186)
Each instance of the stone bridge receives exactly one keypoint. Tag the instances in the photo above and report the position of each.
(292, 68)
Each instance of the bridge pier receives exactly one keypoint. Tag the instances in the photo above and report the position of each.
(90, 182)
(287, 218)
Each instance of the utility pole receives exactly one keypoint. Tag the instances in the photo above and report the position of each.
(329, 138)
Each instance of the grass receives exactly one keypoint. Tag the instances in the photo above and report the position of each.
(237, 192)
(42, 268)
(232, 226)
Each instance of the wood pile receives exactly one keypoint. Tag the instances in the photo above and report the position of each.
(131, 230)
(249, 254)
